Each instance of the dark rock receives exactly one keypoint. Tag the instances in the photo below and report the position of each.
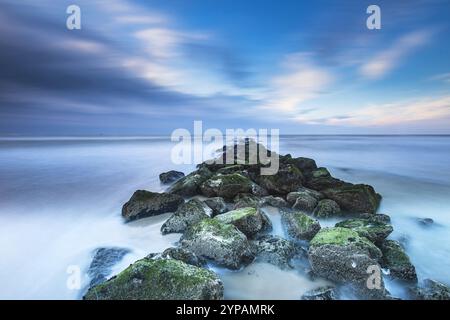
(170, 176)
(288, 178)
(397, 261)
(292, 197)
(184, 255)
(244, 200)
(102, 263)
(190, 185)
(274, 250)
(425, 222)
(305, 202)
(377, 217)
(187, 214)
(249, 221)
(322, 293)
(321, 179)
(326, 208)
(226, 186)
(145, 204)
(217, 205)
(431, 290)
(357, 198)
(159, 279)
(299, 225)
(223, 243)
(276, 202)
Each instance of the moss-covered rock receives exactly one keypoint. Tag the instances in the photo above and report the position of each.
(189, 185)
(292, 196)
(321, 179)
(145, 204)
(226, 186)
(372, 229)
(274, 250)
(217, 205)
(326, 208)
(354, 198)
(397, 261)
(187, 214)
(181, 254)
(244, 200)
(299, 225)
(159, 279)
(288, 178)
(272, 201)
(248, 220)
(220, 242)
(347, 238)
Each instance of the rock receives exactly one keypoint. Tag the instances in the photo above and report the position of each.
(226, 186)
(305, 202)
(425, 222)
(170, 176)
(377, 217)
(235, 168)
(159, 279)
(321, 179)
(431, 290)
(187, 214)
(244, 200)
(249, 220)
(217, 205)
(306, 165)
(102, 263)
(190, 185)
(288, 178)
(259, 191)
(326, 208)
(397, 261)
(184, 255)
(292, 196)
(372, 229)
(276, 202)
(145, 203)
(223, 243)
(299, 225)
(274, 250)
(346, 238)
(354, 198)
(322, 293)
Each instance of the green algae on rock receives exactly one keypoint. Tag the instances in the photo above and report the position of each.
(299, 225)
(397, 261)
(248, 220)
(372, 229)
(226, 186)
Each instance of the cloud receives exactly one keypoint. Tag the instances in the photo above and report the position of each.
(444, 77)
(384, 62)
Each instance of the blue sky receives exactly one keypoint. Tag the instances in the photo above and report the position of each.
(149, 67)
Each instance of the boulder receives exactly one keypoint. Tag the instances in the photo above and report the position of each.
(305, 202)
(288, 178)
(220, 242)
(292, 196)
(321, 179)
(217, 205)
(299, 225)
(425, 222)
(226, 186)
(259, 191)
(397, 261)
(306, 165)
(244, 200)
(159, 279)
(431, 290)
(170, 176)
(274, 250)
(102, 263)
(145, 204)
(181, 254)
(189, 185)
(355, 198)
(326, 208)
(249, 220)
(372, 229)
(322, 293)
(276, 202)
(187, 214)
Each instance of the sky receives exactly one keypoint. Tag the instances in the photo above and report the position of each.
(150, 67)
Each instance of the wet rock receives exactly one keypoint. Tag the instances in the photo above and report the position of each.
(145, 203)
(425, 222)
(292, 196)
(276, 202)
(245, 200)
(102, 263)
(397, 261)
(249, 220)
(299, 225)
(306, 165)
(184, 255)
(377, 217)
(187, 214)
(354, 198)
(226, 186)
(259, 191)
(274, 250)
(321, 179)
(305, 203)
(217, 205)
(322, 293)
(326, 208)
(288, 178)
(159, 279)
(170, 176)
(220, 242)
(372, 229)
(431, 290)
(190, 184)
